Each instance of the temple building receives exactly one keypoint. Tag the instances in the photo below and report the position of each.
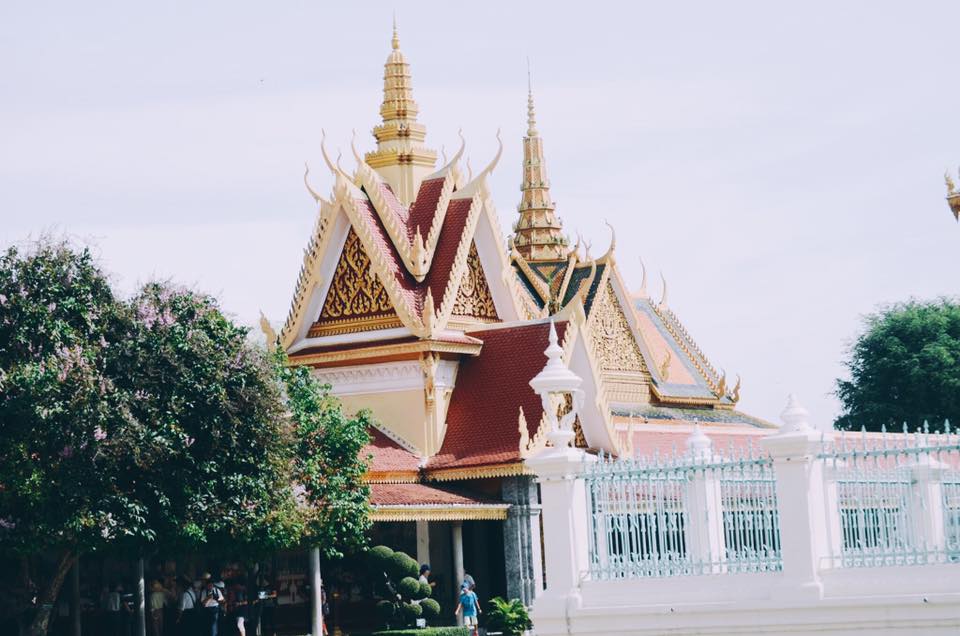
(412, 302)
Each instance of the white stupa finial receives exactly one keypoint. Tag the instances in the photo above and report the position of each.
(794, 416)
(698, 444)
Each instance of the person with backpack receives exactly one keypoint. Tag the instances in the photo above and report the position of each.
(470, 605)
(210, 601)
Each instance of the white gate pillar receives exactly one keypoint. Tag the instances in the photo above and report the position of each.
(801, 504)
(929, 529)
(704, 531)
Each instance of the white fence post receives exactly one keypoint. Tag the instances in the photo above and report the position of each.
(704, 531)
(928, 519)
(801, 503)
(563, 497)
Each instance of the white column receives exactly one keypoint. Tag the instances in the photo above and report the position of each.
(456, 535)
(565, 521)
(927, 511)
(704, 531)
(316, 595)
(141, 613)
(801, 504)
(423, 542)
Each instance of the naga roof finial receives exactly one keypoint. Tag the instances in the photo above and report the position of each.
(663, 297)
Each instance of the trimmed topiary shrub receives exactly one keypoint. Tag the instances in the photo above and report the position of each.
(431, 609)
(409, 587)
(425, 591)
(412, 611)
(395, 582)
(402, 565)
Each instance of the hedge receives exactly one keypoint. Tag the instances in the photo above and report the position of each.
(426, 631)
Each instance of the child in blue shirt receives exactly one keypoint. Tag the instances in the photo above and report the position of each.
(470, 606)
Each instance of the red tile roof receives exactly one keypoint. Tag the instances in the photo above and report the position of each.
(420, 495)
(389, 456)
(491, 388)
(425, 206)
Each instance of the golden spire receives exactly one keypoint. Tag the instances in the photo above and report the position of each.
(538, 235)
(400, 157)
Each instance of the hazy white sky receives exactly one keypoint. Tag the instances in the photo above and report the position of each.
(780, 162)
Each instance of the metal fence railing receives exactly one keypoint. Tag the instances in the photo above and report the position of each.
(682, 515)
(897, 497)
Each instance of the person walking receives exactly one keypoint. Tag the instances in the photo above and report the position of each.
(114, 607)
(469, 604)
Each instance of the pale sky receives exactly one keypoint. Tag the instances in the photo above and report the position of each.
(781, 163)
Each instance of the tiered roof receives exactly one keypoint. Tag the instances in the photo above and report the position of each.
(406, 262)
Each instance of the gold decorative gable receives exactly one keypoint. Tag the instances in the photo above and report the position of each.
(356, 300)
(612, 339)
(474, 298)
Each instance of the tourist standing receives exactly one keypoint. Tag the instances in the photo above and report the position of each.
(156, 603)
(188, 607)
(114, 607)
(210, 600)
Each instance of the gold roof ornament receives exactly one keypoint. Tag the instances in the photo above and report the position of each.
(538, 233)
(953, 197)
(400, 158)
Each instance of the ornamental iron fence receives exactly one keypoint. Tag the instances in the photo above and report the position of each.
(897, 497)
(691, 514)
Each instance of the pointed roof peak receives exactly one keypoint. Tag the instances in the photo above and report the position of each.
(531, 115)
(395, 41)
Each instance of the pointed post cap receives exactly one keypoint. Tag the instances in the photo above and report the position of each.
(794, 416)
(555, 377)
(698, 444)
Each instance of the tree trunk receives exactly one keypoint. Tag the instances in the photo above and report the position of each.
(48, 595)
(140, 629)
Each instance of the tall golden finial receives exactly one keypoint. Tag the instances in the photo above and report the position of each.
(400, 158)
(538, 232)
(531, 115)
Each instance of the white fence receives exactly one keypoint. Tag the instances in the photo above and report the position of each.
(807, 533)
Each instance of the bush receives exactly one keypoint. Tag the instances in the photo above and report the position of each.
(431, 608)
(402, 565)
(379, 558)
(425, 591)
(509, 617)
(409, 587)
(429, 631)
(412, 611)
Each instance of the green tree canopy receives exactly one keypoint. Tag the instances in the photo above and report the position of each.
(904, 368)
(155, 422)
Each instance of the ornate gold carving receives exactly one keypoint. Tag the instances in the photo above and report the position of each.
(613, 341)
(474, 297)
(355, 292)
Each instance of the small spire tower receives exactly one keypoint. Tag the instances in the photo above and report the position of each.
(538, 233)
(400, 158)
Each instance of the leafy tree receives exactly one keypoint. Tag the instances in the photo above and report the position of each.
(328, 466)
(65, 427)
(156, 423)
(213, 457)
(904, 368)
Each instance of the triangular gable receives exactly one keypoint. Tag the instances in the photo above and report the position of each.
(474, 299)
(613, 340)
(356, 300)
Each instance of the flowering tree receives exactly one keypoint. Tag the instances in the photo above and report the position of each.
(155, 423)
(65, 426)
